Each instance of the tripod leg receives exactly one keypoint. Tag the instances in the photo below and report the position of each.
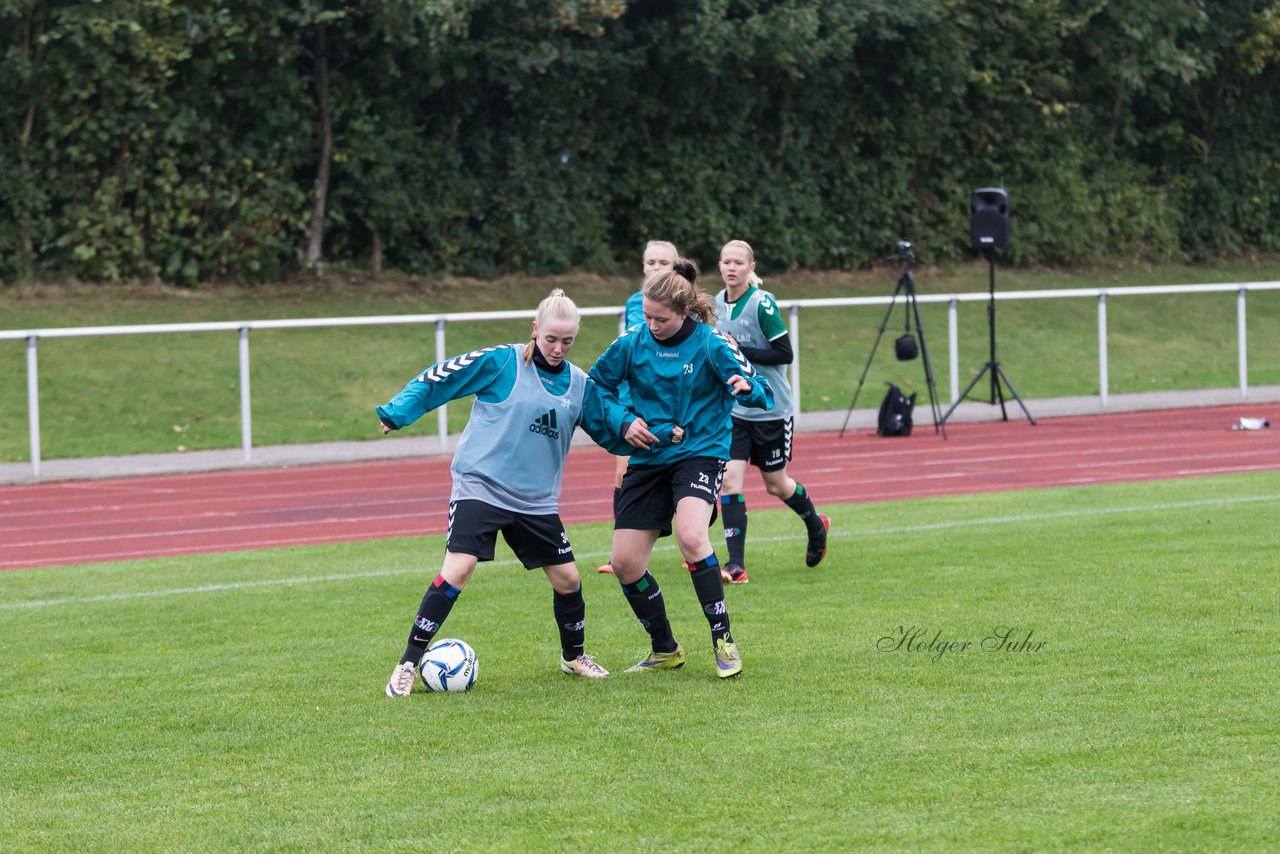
(973, 382)
(870, 356)
(1016, 397)
(934, 407)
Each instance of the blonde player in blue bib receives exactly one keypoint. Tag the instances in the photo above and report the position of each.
(507, 470)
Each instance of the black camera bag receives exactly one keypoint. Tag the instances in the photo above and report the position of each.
(895, 413)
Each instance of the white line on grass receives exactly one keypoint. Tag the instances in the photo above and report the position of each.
(591, 556)
(215, 588)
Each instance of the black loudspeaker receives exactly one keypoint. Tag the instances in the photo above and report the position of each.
(989, 217)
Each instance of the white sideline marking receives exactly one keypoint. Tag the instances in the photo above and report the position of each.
(592, 556)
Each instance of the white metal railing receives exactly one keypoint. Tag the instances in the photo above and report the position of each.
(243, 328)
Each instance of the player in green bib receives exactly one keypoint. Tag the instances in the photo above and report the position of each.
(749, 316)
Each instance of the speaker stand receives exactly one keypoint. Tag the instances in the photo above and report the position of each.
(992, 365)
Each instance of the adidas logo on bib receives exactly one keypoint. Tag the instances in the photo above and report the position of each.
(546, 425)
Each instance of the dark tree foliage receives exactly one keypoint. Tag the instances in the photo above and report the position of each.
(193, 140)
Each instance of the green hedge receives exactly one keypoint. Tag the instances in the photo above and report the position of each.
(187, 140)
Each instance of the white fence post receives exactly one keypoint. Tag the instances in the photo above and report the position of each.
(33, 406)
(246, 414)
(1243, 337)
(1103, 381)
(953, 344)
(442, 414)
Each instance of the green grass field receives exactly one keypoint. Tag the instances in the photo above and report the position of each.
(162, 393)
(235, 701)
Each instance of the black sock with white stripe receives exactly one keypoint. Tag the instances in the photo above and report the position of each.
(435, 607)
(733, 509)
(709, 588)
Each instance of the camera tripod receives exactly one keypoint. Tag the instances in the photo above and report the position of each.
(992, 365)
(907, 287)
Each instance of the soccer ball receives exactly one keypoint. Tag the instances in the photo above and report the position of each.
(449, 665)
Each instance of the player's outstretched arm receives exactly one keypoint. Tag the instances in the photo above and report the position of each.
(488, 373)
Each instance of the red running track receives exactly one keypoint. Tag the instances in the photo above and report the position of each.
(146, 517)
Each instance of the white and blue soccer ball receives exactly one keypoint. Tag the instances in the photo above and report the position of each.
(449, 665)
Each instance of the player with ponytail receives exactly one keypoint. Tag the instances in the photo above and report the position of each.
(659, 256)
(681, 371)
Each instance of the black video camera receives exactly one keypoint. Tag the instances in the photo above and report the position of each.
(904, 252)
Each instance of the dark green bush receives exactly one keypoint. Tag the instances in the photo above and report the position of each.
(186, 141)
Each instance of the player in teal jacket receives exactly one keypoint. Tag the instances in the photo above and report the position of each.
(682, 371)
(507, 470)
(658, 257)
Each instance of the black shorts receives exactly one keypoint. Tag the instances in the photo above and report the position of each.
(538, 541)
(765, 444)
(649, 494)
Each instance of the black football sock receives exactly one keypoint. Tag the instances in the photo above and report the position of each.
(571, 616)
(645, 599)
(436, 605)
(709, 589)
(803, 506)
(733, 508)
